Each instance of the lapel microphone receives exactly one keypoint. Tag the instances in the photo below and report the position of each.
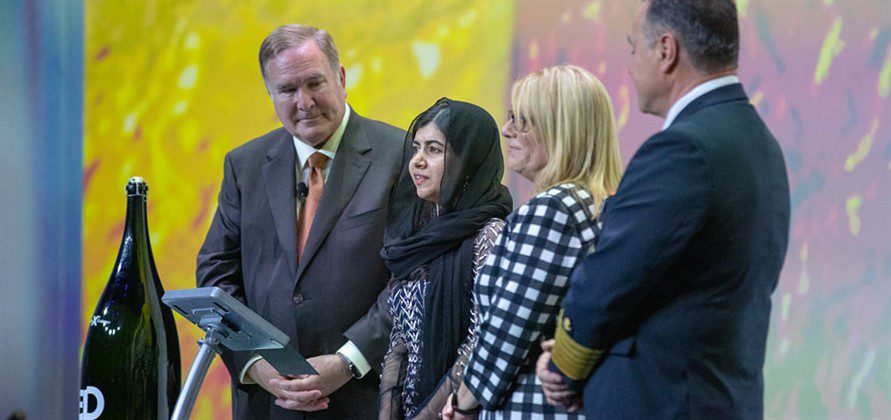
(302, 191)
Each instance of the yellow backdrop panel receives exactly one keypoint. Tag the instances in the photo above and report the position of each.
(172, 86)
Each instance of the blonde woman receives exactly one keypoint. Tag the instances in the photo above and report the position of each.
(561, 136)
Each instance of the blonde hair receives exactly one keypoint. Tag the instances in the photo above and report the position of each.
(572, 115)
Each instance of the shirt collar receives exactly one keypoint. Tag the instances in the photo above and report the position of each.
(330, 148)
(692, 95)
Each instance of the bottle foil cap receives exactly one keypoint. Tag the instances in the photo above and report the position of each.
(137, 185)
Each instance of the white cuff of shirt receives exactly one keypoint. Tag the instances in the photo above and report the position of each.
(243, 377)
(350, 351)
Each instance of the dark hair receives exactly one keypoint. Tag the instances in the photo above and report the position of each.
(438, 114)
(707, 29)
(295, 35)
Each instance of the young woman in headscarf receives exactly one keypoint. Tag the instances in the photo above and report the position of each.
(446, 210)
(561, 136)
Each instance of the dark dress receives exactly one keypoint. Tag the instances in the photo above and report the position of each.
(406, 306)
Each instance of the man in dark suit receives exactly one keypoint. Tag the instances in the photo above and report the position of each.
(668, 317)
(297, 236)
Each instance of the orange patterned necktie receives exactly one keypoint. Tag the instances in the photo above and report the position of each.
(317, 163)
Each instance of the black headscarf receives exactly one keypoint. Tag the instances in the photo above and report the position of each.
(470, 194)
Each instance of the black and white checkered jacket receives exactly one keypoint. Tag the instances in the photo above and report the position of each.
(519, 291)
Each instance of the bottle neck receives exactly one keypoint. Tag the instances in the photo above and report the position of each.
(134, 256)
(135, 226)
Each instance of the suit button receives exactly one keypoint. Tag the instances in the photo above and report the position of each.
(298, 298)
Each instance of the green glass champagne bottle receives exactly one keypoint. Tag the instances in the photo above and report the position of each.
(131, 361)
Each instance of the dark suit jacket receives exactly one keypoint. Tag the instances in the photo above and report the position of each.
(332, 294)
(678, 289)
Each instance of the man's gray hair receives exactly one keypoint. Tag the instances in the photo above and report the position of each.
(707, 29)
(295, 35)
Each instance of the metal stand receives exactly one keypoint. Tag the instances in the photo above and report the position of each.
(231, 325)
(189, 393)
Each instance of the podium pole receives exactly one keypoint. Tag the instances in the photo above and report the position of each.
(231, 325)
(189, 393)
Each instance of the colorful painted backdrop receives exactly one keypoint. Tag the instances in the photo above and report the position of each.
(171, 87)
